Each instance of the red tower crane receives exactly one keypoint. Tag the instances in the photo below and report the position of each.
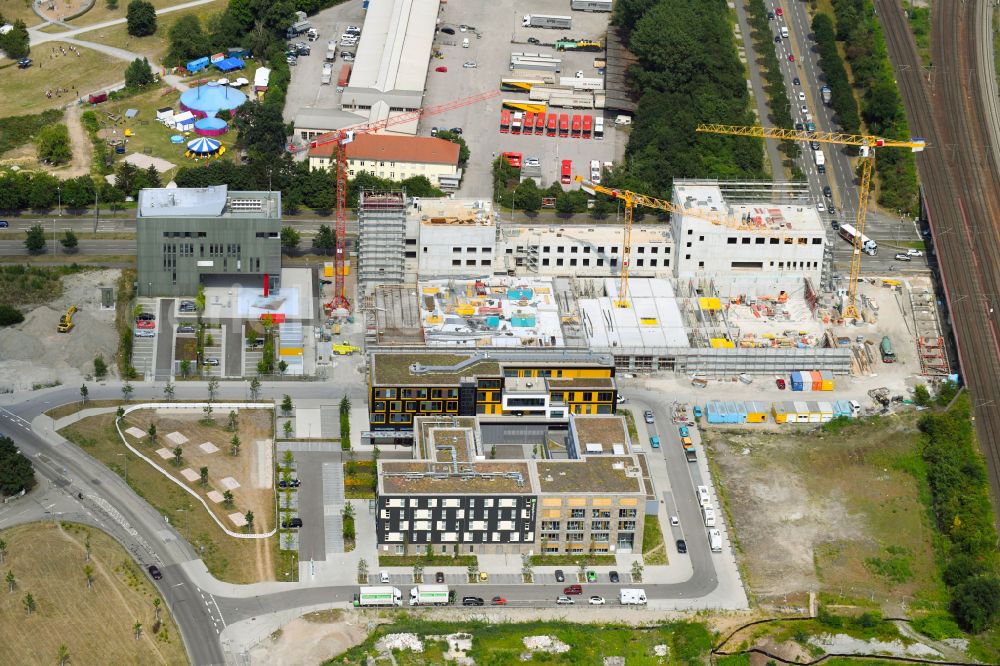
(344, 136)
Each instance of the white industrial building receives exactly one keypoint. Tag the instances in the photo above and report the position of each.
(765, 239)
(451, 237)
(582, 250)
(652, 318)
(390, 67)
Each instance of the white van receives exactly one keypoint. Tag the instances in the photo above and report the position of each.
(708, 513)
(715, 541)
(623, 120)
(383, 577)
(465, 43)
(701, 492)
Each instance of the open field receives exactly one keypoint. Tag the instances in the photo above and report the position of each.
(229, 559)
(502, 643)
(22, 91)
(24, 287)
(654, 551)
(155, 46)
(95, 625)
(359, 479)
(100, 13)
(846, 513)
(14, 10)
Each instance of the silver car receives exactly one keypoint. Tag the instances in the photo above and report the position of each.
(144, 333)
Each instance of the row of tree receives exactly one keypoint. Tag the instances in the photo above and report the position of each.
(961, 501)
(42, 191)
(882, 107)
(16, 472)
(842, 95)
(688, 73)
(774, 81)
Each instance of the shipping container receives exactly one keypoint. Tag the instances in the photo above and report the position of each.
(827, 380)
(591, 5)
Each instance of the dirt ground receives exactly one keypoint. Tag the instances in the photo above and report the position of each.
(251, 468)
(33, 352)
(817, 512)
(80, 143)
(96, 624)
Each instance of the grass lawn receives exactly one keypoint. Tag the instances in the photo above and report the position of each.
(654, 551)
(155, 46)
(229, 559)
(57, 413)
(571, 560)
(502, 643)
(920, 26)
(100, 13)
(32, 286)
(433, 561)
(359, 479)
(20, 9)
(96, 624)
(630, 424)
(22, 91)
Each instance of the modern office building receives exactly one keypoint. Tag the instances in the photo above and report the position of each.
(458, 495)
(189, 236)
(403, 386)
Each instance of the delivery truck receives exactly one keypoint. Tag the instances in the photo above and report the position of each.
(547, 21)
(429, 595)
(632, 596)
(380, 595)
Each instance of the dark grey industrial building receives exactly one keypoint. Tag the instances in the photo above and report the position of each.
(188, 236)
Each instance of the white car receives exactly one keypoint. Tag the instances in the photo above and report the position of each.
(532, 162)
(563, 600)
(596, 601)
(469, 64)
(914, 253)
(802, 96)
(145, 333)
(804, 109)
(579, 73)
(820, 206)
(674, 520)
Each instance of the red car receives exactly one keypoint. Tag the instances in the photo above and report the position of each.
(780, 383)
(573, 589)
(791, 58)
(499, 601)
(777, 10)
(143, 323)
(441, 69)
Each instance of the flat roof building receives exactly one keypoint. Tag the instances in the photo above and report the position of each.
(189, 236)
(391, 62)
(455, 497)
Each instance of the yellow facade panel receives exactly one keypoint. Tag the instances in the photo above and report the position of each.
(601, 501)
(551, 501)
(710, 303)
(576, 501)
(551, 513)
(628, 501)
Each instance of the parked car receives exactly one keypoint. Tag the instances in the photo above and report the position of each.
(564, 600)
(472, 601)
(560, 578)
(613, 576)
(484, 577)
(573, 589)
(469, 64)
(439, 577)
(442, 68)
(534, 40)
(185, 329)
(145, 324)
(24, 63)
(682, 546)
(293, 523)
(696, 410)
(683, 431)
(154, 572)
(448, 31)
(913, 252)
(140, 333)
(455, 130)
(780, 383)
(146, 316)
(211, 361)
(596, 601)
(293, 483)
(675, 521)
(498, 601)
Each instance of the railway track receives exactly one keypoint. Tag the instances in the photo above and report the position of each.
(962, 191)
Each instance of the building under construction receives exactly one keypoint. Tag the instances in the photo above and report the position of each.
(381, 240)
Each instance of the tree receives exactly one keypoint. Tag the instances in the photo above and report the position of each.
(88, 574)
(137, 628)
(111, 4)
(254, 389)
(10, 315)
(290, 238)
(141, 18)
(921, 395)
(286, 404)
(3, 551)
(564, 204)
(362, 570)
(69, 241)
(127, 178)
(62, 656)
(213, 386)
(208, 413)
(282, 367)
(473, 571)
(84, 392)
(11, 581)
(976, 603)
(138, 75)
(249, 518)
(463, 149)
(86, 546)
(168, 392)
(187, 41)
(637, 569)
(34, 241)
(602, 208)
(227, 499)
(185, 368)
(418, 572)
(234, 446)
(156, 609)
(29, 603)
(493, 452)
(204, 476)
(178, 456)
(261, 128)
(345, 424)
(16, 472)
(153, 177)
(78, 193)
(527, 196)
(16, 43)
(325, 240)
(233, 421)
(127, 390)
(52, 142)
(100, 368)
(287, 427)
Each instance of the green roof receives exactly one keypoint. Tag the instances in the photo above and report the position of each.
(394, 369)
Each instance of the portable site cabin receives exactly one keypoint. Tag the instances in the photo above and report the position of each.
(717, 411)
(812, 409)
(197, 65)
(757, 412)
(164, 114)
(801, 411)
(784, 412)
(842, 408)
(826, 411)
(827, 380)
(184, 122)
(798, 381)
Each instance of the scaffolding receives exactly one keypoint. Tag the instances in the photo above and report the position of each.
(381, 239)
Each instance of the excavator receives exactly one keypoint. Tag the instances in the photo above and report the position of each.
(66, 321)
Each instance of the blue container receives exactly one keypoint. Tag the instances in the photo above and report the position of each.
(715, 412)
(492, 322)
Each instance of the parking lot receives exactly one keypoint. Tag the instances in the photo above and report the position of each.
(498, 26)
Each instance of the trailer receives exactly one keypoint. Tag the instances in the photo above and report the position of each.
(345, 75)
(581, 83)
(523, 75)
(579, 45)
(429, 595)
(545, 93)
(536, 65)
(575, 100)
(632, 596)
(381, 595)
(547, 21)
(590, 5)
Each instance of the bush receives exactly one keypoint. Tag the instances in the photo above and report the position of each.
(10, 315)
(921, 395)
(976, 603)
(53, 144)
(16, 472)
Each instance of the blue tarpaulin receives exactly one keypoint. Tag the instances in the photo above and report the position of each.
(229, 64)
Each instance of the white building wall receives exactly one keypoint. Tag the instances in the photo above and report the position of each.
(455, 249)
(391, 170)
(583, 250)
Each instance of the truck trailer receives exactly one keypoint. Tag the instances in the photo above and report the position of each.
(547, 21)
(632, 596)
(590, 5)
(381, 595)
(345, 75)
(429, 595)
(581, 83)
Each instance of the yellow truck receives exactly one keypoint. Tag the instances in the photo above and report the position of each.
(343, 348)
(66, 321)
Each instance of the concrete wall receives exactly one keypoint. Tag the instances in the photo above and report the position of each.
(455, 249)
